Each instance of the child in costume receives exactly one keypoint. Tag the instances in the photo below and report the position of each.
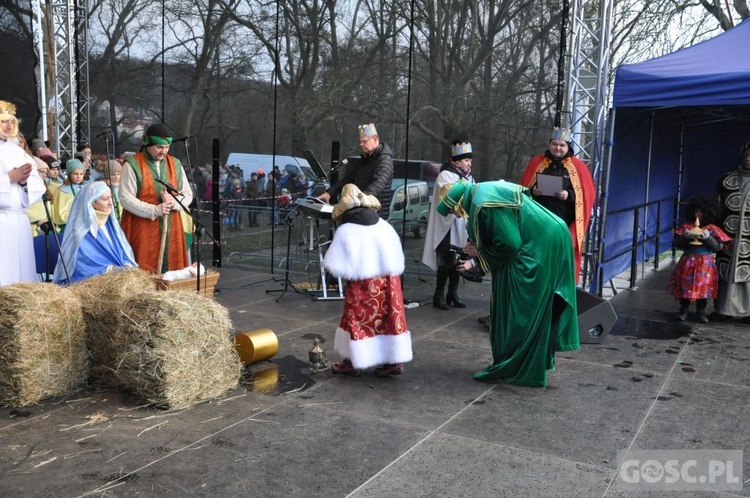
(366, 251)
(64, 195)
(696, 277)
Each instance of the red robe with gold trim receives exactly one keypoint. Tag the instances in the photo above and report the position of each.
(583, 186)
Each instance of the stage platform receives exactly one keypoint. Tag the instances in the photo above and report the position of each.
(434, 431)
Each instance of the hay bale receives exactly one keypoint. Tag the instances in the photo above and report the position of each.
(101, 300)
(178, 348)
(42, 343)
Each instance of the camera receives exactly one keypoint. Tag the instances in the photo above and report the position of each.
(474, 274)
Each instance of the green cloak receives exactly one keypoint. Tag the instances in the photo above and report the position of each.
(528, 251)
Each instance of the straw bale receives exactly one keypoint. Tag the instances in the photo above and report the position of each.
(101, 300)
(42, 343)
(178, 348)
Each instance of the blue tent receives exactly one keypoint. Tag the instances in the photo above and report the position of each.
(677, 125)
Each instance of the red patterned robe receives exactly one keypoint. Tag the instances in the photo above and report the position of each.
(695, 276)
(373, 327)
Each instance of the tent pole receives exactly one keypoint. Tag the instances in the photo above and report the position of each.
(648, 193)
(601, 213)
(680, 173)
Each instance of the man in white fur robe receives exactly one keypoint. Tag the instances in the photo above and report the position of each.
(366, 251)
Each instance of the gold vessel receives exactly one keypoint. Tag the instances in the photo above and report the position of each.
(256, 345)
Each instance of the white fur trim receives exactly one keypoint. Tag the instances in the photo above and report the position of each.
(358, 252)
(373, 351)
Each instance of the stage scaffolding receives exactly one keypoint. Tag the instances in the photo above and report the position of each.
(61, 38)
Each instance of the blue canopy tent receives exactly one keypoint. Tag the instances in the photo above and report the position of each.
(677, 125)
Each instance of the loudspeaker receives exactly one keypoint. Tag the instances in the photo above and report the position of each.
(596, 317)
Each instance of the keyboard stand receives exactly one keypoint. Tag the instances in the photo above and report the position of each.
(314, 242)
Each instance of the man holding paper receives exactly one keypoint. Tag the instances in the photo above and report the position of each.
(562, 183)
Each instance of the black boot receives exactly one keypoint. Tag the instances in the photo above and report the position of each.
(684, 307)
(702, 315)
(438, 300)
(452, 296)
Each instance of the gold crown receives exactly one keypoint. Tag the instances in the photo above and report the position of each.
(367, 131)
(7, 108)
(460, 149)
(563, 134)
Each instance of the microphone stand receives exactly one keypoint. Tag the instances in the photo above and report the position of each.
(287, 283)
(198, 228)
(115, 200)
(52, 228)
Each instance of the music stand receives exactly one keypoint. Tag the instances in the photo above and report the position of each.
(315, 165)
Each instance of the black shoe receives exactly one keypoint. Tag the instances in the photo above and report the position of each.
(452, 299)
(438, 301)
(682, 315)
(702, 317)
(484, 320)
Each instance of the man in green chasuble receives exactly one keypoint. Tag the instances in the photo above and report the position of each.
(527, 251)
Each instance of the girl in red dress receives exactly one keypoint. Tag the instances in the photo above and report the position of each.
(696, 278)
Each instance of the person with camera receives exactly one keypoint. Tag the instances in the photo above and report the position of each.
(527, 251)
(445, 235)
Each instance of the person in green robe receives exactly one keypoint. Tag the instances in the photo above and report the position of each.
(527, 251)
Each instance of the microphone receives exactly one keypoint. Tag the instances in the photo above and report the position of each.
(103, 133)
(339, 166)
(182, 139)
(170, 188)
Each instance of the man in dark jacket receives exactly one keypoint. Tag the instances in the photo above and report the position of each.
(251, 194)
(374, 175)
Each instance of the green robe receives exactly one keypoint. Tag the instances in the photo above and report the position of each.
(528, 251)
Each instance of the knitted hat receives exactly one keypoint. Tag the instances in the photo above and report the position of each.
(460, 150)
(36, 144)
(73, 165)
(450, 197)
(352, 197)
(40, 164)
(111, 166)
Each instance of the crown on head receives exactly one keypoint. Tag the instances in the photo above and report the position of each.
(563, 134)
(367, 131)
(7, 108)
(460, 149)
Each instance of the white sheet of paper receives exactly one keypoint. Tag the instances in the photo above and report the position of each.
(549, 184)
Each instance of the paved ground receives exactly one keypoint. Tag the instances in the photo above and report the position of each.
(434, 431)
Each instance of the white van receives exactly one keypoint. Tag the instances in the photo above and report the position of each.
(251, 163)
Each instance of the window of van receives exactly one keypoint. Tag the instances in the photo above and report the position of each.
(399, 201)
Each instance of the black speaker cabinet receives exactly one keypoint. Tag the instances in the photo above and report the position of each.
(596, 317)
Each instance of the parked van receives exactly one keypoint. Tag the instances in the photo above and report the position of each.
(251, 163)
(416, 203)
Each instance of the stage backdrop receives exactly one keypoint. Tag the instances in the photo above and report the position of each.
(679, 121)
(19, 61)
